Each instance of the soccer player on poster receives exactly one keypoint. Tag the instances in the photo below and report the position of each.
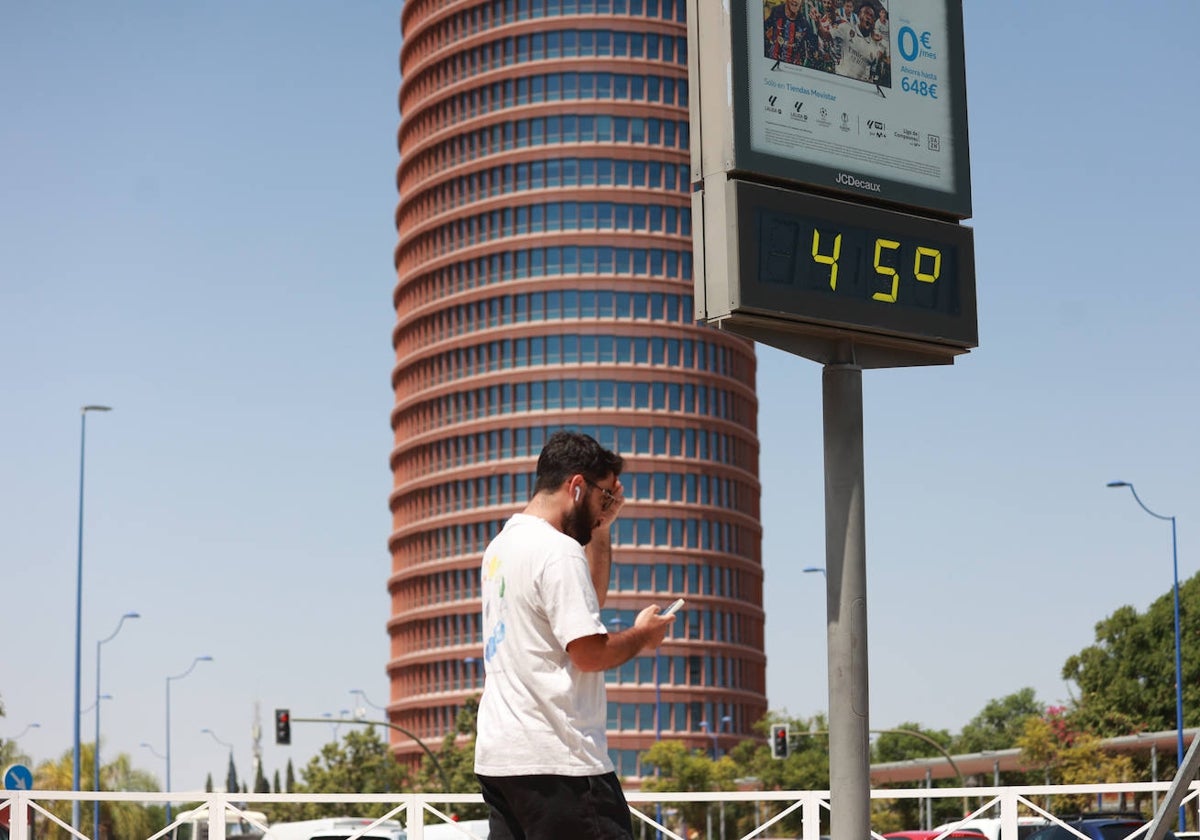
(863, 55)
(785, 33)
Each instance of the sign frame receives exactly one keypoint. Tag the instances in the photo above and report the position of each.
(721, 68)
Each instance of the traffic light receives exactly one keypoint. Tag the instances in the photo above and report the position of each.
(283, 727)
(779, 740)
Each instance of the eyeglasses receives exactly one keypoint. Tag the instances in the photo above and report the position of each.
(610, 498)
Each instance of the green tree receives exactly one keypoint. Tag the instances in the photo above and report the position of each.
(909, 740)
(901, 743)
(260, 781)
(1000, 723)
(1064, 754)
(360, 763)
(118, 820)
(681, 769)
(291, 777)
(1126, 679)
(276, 788)
(231, 777)
(457, 761)
(805, 768)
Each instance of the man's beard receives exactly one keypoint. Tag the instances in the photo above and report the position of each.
(578, 525)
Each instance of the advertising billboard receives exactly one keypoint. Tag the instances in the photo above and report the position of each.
(866, 98)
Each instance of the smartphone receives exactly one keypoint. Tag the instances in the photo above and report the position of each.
(674, 608)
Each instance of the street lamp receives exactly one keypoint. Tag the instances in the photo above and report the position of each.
(153, 751)
(334, 723)
(79, 613)
(471, 662)
(224, 744)
(810, 569)
(96, 751)
(229, 777)
(1178, 652)
(94, 703)
(21, 734)
(358, 692)
(712, 732)
(195, 661)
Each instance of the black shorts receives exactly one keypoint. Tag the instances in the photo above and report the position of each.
(556, 808)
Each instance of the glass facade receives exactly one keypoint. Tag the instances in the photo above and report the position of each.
(544, 281)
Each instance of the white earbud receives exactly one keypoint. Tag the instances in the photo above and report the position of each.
(577, 494)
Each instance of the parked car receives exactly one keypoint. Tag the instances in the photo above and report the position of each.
(990, 826)
(336, 828)
(930, 835)
(1095, 827)
(460, 830)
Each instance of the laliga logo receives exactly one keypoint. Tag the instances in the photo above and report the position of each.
(912, 45)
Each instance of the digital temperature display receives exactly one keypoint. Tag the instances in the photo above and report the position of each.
(834, 263)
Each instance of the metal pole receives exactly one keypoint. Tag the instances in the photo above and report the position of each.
(176, 677)
(75, 751)
(167, 786)
(1178, 672)
(1188, 766)
(96, 750)
(657, 728)
(846, 602)
(1179, 755)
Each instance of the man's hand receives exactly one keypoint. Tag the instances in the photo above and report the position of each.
(610, 650)
(655, 623)
(608, 517)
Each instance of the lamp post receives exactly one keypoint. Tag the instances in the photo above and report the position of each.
(365, 699)
(709, 731)
(471, 662)
(712, 732)
(75, 759)
(335, 722)
(195, 661)
(224, 744)
(1178, 652)
(228, 746)
(153, 751)
(96, 702)
(361, 712)
(96, 750)
(22, 733)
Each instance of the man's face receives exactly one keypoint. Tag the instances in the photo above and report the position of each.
(595, 499)
(866, 18)
(579, 522)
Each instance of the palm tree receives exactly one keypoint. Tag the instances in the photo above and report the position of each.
(118, 820)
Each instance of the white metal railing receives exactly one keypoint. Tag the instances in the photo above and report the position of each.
(419, 810)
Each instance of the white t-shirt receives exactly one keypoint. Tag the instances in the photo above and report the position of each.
(859, 52)
(539, 713)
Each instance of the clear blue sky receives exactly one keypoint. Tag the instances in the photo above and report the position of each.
(196, 228)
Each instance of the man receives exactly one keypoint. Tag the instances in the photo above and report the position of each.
(827, 50)
(862, 54)
(541, 753)
(786, 34)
